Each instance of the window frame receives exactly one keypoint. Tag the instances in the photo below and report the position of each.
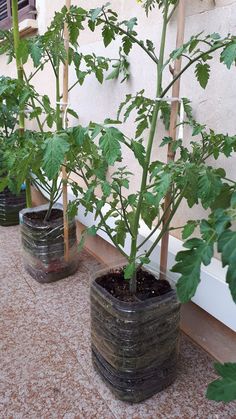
(27, 12)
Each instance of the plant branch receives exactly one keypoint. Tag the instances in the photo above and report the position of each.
(132, 37)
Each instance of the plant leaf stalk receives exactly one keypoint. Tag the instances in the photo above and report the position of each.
(20, 76)
(133, 253)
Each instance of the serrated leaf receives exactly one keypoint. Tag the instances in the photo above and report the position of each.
(120, 232)
(210, 186)
(54, 154)
(79, 135)
(189, 266)
(227, 248)
(223, 389)
(127, 44)
(35, 53)
(108, 35)
(228, 55)
(202, 72)
(110, 145)
(139, 152)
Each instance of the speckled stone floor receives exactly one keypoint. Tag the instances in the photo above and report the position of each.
(45, 365)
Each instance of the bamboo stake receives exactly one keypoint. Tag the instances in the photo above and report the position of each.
(20, 76)
(172, 131)
(64, 112)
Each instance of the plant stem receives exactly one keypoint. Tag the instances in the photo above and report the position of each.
(28, 193)
(20, 76)
(59, 127)
(133, 253)
(166, 226)
(33, 104)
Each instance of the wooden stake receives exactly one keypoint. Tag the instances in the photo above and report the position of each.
(64, 113)
(172, 133)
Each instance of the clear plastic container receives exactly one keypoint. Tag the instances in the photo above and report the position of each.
(134, 344)
(10, 206)
(43, 244)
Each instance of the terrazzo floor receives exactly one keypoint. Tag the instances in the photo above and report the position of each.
(45, 366)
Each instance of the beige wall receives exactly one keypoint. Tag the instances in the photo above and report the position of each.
(214, 106)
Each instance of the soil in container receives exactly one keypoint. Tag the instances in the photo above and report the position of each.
(43, 244)
(147, 285)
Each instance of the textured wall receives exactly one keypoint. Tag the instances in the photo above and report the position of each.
(214, 106)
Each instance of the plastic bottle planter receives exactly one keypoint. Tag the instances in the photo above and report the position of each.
(10, 206)
(134, 344)
(43, 244)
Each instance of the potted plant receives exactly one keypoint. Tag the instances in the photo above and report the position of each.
(39, 156)
(135, 314)
(11, 201)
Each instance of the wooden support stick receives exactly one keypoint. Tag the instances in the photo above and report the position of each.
(172, 133)
(64, 112)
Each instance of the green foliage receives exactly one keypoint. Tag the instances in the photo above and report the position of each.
(55, 152)
(110, 145)
(189, 264)
(227, 248)
(228, 55)
(202, 73)
(224, 388)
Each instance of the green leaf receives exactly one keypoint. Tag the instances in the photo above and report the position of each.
(99, 74)
(79, 135)
(165, 141)
(189, 266)
(228, 55)
(95, 13)
(110, 145)
(54, 154)
(114, 73)
(145, 260)
(202, 72)
(223, 389)
(120, 232)
(139, 152)
(233, 200)
(210, 186)
(130, 23)
(227, 248)
(35, 53)
(143, 124)
(73, 113)
(127, 44)
(188, 229)
(108, 35)
(23, 50)
(148, 214)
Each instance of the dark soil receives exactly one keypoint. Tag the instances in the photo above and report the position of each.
(38, 217)
(148, 286)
